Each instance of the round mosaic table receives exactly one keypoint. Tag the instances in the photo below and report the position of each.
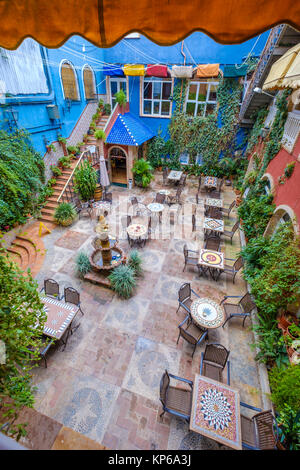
(155, 207)
(136, 231)
(207, 313)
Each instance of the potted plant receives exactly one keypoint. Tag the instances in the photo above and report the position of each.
(63, 143)
(100, 135)
(65, 214)
(85, 179)
(85, 138)
(64, 162)
(143, 173)
(83, 264)
(121, 100)
(285, 320)
(107, 109)
(50, 148)
(55, 170)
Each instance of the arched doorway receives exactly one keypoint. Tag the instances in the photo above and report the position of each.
(118, 164)
(281, 215)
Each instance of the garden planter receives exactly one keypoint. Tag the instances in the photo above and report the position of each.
(286, 319)
(66, 222)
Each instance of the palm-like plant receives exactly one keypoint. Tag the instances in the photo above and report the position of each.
(143, 172)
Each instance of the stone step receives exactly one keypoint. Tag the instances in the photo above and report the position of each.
(15, 257)
(23, 252)
(30, 246)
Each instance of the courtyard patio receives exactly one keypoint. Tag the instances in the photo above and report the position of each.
(105, 384)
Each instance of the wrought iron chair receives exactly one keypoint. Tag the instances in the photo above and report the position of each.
(215, 194)
(212, 243)
(241, 310)
(175, 199)
(185, 297)
(234, 269)
(51, 288)
(176, 401)
(189, 259)
(160, 198)
(107, 197)
(213, 362)
(73, 297)
(194, 223)
(259, 432)
(213, 212)
(230, 233)
(82, 208)
(47, 343)
(192, 333)
(138, 207)
(226, 210)
(165, 176)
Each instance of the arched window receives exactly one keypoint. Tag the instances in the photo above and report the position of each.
(69, 82)
(89, 83)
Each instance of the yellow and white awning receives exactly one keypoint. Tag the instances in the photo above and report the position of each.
(285, 72)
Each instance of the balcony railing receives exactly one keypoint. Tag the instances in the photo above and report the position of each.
(291, 131)
(272, 42)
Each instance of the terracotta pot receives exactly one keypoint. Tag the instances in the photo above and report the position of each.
(284, 323)
(159, 168)
(64, 147)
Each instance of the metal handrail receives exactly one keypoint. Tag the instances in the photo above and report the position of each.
(85, 153)
(273, 39)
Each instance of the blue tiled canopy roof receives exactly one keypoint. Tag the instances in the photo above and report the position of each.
(129, 130)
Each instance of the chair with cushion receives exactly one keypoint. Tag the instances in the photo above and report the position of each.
(192, 333)
(213, 362)
(212, 243)
(176, 400)
(51, 288)
(226, 210)
(241, 310)
(230, 233)
(260, 432)
(73, 297)
(185, 297)
(234, 269)
(191, 257)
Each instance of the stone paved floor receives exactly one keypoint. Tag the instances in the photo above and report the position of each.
(106, 382)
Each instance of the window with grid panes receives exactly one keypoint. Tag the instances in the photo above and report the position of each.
(117, 84)
(201, 98)
(89, 83)
(69, 82)
(156, 97)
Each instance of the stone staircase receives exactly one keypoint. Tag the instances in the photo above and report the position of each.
(48, 210)
(27, 250)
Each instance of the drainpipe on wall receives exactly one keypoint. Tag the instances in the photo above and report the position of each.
(184, 61)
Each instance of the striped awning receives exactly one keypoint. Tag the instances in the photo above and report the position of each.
(283, 68)
(106, 22)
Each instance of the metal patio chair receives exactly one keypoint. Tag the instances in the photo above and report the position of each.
(234, 269)
(213, 362)
(212, 243)
(241, 310)
(192, 333)
(230, 233)
(226, 210)
(47, 343)
(185, 297)
(260, 432)
(72, 296)
(176, 400)
(160, 198)
(191, 257)
(51, 288)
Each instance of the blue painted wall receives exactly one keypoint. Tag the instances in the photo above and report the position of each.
(198, 48)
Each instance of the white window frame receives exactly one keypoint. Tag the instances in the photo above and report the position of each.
(118, 80)
(66, 61)
(142, 99)
(82, 78)
(203, 103)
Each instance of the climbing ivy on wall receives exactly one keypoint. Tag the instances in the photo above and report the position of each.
(259, 117)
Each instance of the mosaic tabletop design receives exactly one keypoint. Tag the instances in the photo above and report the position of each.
(211, 258)
(211, 181)
(174, 175)
(155, 207)
(207, 313)
(136, 230)
(213, 202)
(59, 315)
(217, 225)
(216, 412)
(164, 191)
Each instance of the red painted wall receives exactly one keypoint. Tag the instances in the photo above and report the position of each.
(289, 192)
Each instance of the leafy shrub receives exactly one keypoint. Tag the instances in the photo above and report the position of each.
(121, 97)
(85, 178)
(56, 170)
(289, 428)
(100, 134)
(255, 211)
(123, 281)
(107, 109)
(21, 177)
(83, 264)
(143, 172)
(65, 213)
(135, 262)
(271, 344)
(65, 161)
(285, 387)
